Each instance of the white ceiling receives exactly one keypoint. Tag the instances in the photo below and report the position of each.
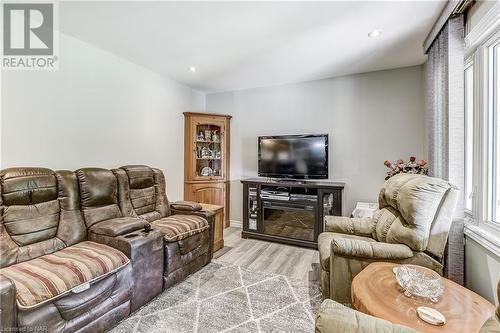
(239, 45)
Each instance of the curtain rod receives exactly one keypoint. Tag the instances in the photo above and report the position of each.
(452, 7)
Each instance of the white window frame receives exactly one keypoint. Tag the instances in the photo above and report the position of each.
(478, 44)
(469, 62)
(493, 148)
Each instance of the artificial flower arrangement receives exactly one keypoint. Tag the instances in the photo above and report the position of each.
(412, 166)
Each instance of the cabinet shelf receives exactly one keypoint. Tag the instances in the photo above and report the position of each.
(207, 141)
(208, 159)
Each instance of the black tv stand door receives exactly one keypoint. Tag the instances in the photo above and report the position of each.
(288, 211)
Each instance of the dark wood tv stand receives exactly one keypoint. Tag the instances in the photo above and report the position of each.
(288, 211)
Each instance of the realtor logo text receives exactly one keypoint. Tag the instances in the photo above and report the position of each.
(29, 36)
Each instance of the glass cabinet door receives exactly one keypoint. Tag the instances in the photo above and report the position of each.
(208, 150)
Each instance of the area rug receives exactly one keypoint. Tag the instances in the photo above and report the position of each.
(228, 298)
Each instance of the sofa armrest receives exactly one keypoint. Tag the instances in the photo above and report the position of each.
(334, 317)
(351, 226)
(118, 226)
(8, 308)
(203, 213)
(130, 244)
(349, 247)
(145, 251)
(185, 206)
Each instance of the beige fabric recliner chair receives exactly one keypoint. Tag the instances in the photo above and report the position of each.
(410, 227)
(334, 317)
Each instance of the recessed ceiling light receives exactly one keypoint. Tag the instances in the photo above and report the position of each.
(374, 33)
(192, 69)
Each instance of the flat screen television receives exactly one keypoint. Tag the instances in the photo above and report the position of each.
(294, 156)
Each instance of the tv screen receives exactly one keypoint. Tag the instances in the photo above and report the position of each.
(294, 156)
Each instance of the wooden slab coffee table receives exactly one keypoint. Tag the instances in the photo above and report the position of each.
(376, 292)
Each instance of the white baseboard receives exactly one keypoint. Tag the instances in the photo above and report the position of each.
(235, 223)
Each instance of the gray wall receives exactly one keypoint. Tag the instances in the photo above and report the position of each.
(482, 270)
(96, 110)
(369, 117)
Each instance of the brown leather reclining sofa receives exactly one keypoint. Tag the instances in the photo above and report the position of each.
(74, 253)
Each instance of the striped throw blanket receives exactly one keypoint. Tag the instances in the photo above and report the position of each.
(44, 278)
(176, 227)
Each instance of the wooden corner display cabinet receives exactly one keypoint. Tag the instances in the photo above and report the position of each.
(206, 159)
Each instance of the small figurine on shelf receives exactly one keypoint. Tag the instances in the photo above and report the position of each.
(208, 135)
(218, 155)
(198, 151)
(205, 152)
(215, 137)
(200, 137)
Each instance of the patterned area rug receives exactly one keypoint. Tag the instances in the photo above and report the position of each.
(228, 298)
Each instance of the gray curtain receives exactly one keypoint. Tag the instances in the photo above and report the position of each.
(444, 80)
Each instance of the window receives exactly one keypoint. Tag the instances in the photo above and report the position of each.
(482, 132)
(469, 134)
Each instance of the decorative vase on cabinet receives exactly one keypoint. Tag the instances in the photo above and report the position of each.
(206, 159)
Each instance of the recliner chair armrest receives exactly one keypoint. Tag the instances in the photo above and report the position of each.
(185, 206)
(334, 317)
(117, 226)
(351, 226)
(348, 247)
(8, 308)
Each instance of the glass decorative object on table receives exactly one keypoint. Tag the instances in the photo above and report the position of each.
(420, 281)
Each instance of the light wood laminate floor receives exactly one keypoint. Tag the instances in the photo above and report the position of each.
(296, 262)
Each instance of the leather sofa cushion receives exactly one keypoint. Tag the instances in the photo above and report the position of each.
(47, 277)
(146, 187)
(39, 213)
(143, 200)
(118, 226)
(28, 186)
(177, 227)
(98, 194)
(28, 224)
(30, 207)
(139, 176)
(142, 188)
